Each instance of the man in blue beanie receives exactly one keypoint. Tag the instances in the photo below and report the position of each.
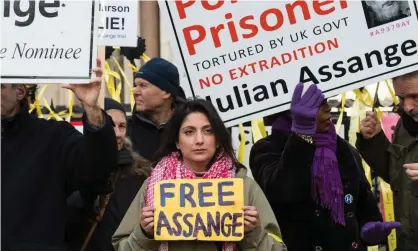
(157, 89)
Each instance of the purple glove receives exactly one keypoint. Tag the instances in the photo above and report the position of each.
(304, 109)
(376, 232)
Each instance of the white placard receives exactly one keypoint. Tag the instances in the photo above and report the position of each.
(47, 41)
(247, 56)
(118, 23)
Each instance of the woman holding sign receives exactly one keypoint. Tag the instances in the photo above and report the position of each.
(315, 181)
(191, 195)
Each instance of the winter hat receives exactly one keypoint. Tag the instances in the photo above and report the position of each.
(162, 74)
(111, 104)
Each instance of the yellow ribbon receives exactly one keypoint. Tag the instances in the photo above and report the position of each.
(386, 193)
(366, 98)
(262, 127)
(340, 118)
(145, 58)
(126, 81)
(51, 112)
(70, 105)
(109, 81)
(60, 114)
(36, 104)
(358, 112)
(241, 149)
(257, 135)
(392, 93)
(277, 238)
(109, 75)
(389, 213)
(134, 68)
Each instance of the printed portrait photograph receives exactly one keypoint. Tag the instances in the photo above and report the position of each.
(382, 12)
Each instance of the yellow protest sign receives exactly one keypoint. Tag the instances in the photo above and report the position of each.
(202, 209)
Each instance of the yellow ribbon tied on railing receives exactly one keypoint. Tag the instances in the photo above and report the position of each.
(258, 129)
(241, 148)
(70, 105)
(366, 98)
(51, 112)
(109, 75)
(387, 197)
(145, 58)
(340, 118)
(392, 93)
(130, 86)
(359, 112)
(36, 105)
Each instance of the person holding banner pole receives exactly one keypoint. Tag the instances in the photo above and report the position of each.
(43, 161)
(397, 162)
(197, 145)
(315, 181)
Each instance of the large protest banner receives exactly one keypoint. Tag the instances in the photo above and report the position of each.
(247, 56)
(190, 209)
(118, 22)
(47, 41)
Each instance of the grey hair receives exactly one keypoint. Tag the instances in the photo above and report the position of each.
(140, 165)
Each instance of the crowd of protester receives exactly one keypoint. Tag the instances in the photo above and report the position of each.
(66, 190)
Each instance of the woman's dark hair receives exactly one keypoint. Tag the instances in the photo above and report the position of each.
(172, 129)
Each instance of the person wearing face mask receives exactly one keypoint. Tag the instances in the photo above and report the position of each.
(106, 202)
(315, 182)
(197, 145)
(397, 162)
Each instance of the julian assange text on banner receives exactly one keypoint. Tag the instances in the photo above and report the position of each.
(247, 56)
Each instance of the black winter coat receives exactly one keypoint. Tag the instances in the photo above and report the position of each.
(145, 135)
(81, 205)
(281, 164)
(42, 163)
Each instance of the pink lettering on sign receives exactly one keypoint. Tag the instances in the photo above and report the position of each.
(389, 122)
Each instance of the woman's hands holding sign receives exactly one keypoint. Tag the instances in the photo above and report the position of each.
(147, 220)
(251, 218)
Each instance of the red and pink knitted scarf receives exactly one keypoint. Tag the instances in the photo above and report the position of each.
(171, 167)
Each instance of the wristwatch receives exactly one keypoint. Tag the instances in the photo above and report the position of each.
(306, 138)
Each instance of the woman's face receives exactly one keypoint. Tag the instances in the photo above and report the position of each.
(196, 140)
(323, 119)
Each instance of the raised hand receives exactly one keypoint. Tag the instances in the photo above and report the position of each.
(88, 95)
(370, 126)
(376, 232)
(305, 108)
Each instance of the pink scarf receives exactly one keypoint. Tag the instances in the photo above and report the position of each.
(171, 167)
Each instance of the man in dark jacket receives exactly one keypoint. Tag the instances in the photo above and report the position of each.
(157, 88)
(397, 163)
(44, 161)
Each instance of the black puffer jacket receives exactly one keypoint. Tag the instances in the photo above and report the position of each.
(281, 164)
